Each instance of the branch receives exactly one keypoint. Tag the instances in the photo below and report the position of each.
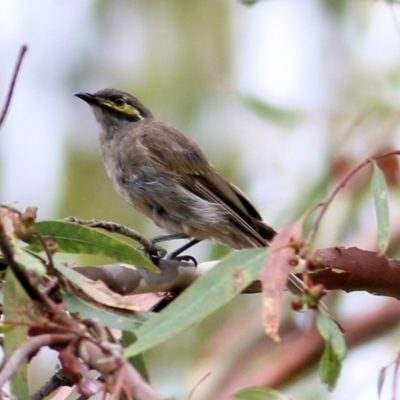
(22, 52)
(349, 269)
(113, 227)
(324, 205)
(352, 269)
(27, 348)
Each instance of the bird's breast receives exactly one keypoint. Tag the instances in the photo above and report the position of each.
(132, 173)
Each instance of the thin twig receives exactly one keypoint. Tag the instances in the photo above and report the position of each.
(113, 227)
(198, 384)
(324, 205)
(29, 347)
(50, 265)
(22, 52)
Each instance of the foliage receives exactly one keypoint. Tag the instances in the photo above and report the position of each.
(169, 298)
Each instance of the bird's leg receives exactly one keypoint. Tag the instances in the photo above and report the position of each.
(175, 254)
(160, 253)
(165, 238)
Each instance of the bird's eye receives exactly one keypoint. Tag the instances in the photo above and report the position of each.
(119, 101)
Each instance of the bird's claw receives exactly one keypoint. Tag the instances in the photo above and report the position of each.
(184, 258)
(157, 254)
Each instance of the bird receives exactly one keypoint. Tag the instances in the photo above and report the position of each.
(167, 177)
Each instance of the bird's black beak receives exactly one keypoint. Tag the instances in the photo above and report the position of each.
(89, 98)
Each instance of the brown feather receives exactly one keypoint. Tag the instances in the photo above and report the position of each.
(176, 153)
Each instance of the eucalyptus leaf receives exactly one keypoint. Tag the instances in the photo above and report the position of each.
(209, 293)
(78, 239)
(330, 367)
(380, 195)
(335, 350)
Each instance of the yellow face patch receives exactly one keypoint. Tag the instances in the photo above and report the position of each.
(123, 108)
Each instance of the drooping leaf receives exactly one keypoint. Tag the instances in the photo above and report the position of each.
(335, 350)
(380, 195)
(209, 293)
(330, 367)
(78, 239)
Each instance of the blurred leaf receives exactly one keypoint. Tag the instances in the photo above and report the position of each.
(250, 2)
(336, 8)
(137, 361)
(260, 393)
(96, 290)
(209, 293)
(15, 300)
(113, 318)
(380, 194)
(335, 350)
(78, 239)
(381, 381)
(285, 117)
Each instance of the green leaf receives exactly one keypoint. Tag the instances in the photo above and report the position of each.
(112, 318)
(380, 195)
(137, 361)
(260, 393)
(335, 350)
(330, 367)
(209, 293)
(15, 299)
(78, 239)
(331, 332)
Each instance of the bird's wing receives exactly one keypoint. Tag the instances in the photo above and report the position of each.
(178, 155)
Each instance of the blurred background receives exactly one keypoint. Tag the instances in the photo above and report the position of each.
(284, 96)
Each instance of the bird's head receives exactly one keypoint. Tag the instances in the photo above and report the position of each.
(113, 108)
